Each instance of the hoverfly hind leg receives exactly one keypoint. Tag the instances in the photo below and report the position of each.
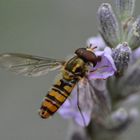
(78, 105)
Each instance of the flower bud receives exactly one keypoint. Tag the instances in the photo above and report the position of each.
(121, 56)
(134, 34)
(124, 9)
(109, 28)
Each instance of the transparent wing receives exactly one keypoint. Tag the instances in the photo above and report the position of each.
(78, 106)
(93, 99)
(28, 65)
(98, 93)
(84, 103)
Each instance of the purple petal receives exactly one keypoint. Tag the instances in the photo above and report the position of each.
(66, 110)
(105, 68)
(96, 41)
(82, 121)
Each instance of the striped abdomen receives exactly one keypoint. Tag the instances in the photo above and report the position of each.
(72, 72)
(56, 97)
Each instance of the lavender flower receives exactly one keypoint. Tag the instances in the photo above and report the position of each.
(102, 70)
(105, 68)
(108, 106)
(96, 41)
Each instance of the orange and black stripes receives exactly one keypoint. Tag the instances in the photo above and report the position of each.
(73, 70)
(56, 97)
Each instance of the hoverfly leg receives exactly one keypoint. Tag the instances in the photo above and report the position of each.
(98, 98)
(78, 105)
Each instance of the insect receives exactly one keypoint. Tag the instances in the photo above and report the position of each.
(72, 71)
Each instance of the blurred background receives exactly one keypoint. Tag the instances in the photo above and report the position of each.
(51, 28)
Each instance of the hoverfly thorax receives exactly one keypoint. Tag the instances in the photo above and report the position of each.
(76, 66)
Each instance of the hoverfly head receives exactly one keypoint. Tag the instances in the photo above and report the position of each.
(88, 55)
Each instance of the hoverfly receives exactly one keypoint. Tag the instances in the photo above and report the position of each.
(72, 71)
